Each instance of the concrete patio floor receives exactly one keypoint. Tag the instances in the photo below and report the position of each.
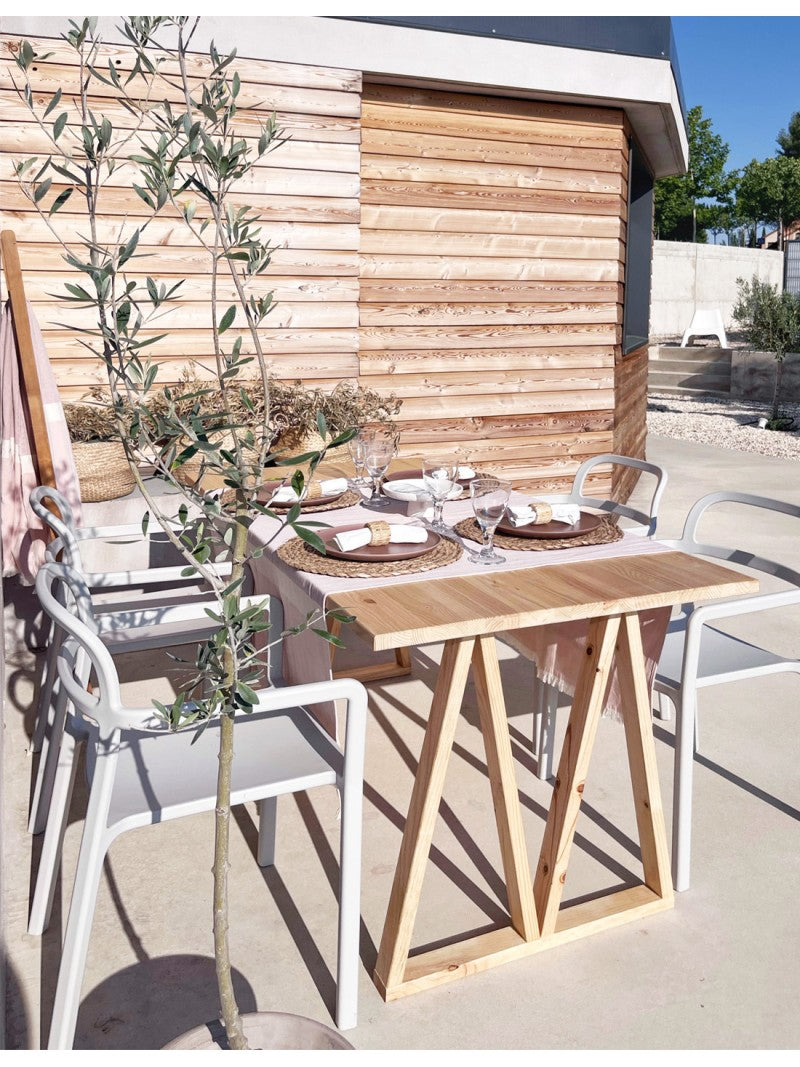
(721, 970)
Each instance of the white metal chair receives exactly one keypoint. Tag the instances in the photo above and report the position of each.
(131, 762)
(697, 655)
(706, 324)
(545, 696)
(171, 619)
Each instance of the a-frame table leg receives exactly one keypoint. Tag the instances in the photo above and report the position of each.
(505, 796)
(637, 718)
(422, 812)
(559, 831)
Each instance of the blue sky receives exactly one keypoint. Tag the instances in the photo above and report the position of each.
(745, 72)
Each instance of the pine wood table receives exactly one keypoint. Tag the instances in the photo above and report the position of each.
(465, 613)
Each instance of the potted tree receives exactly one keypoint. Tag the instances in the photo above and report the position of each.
(186, 155)
(770, 322)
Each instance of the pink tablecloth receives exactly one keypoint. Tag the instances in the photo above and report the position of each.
(557, 650)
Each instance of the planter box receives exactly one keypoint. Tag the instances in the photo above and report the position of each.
(753, 376)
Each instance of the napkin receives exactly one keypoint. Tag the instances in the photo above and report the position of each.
(399, 534)
(465, 472)
(327, 487)
(525, 514)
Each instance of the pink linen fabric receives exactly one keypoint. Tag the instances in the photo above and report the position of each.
(558, 650)
(23, 538)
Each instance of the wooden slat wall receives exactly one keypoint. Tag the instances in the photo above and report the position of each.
(630, 422)
(465, 252)
(492, 256)
(308, 190)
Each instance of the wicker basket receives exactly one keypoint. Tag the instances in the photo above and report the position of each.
(103, 470)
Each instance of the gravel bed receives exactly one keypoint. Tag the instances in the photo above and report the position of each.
(723, 423)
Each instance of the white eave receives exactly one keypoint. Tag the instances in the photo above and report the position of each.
(644, 88)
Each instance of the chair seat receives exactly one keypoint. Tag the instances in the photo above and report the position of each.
(720, 654)
(274, 753)
(157, 635)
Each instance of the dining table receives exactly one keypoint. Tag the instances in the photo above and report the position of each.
(608, 592)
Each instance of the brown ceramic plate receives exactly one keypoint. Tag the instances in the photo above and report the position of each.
(553, 530)
(375, 553)
(268, 488)
(398, 476)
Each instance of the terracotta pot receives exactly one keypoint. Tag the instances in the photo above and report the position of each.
(265, 1030)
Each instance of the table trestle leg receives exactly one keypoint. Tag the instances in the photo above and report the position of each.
(584, 717)
(423, 809)
(371, 672)
(505, 796)
(642, 759)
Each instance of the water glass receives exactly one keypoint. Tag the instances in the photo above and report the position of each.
(357, 447)
(439, 477)
(378, 454)
(489, 501)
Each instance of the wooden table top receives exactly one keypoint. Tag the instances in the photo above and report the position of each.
(491, 601)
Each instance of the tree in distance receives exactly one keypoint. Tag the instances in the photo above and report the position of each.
(688, 205)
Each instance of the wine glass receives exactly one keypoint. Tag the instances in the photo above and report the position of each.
(357, 447)
(378, 454)
(439, 476)
(489, 501)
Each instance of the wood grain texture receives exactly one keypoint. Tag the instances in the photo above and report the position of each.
(468, 606)
(307, 188)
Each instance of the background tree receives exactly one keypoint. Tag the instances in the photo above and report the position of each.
(789, 139)
(769, 192)
(688, 204)
(770, 322)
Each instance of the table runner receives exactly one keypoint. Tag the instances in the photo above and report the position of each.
(557, 650)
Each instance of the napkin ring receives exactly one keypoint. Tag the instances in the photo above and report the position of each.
(544, 513)
(380, 532)
(312, 491)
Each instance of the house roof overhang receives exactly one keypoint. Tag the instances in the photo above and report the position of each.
(644, 86)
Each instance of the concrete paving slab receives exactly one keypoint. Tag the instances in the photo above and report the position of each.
(719, 971)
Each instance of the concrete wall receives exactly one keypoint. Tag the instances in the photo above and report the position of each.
(687, 277)
(753, 376)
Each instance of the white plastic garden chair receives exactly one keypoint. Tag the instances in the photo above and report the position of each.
(545, 696)
(697, 655)
(706, 323)
(167, 609)
(174, 618)
(131, 761)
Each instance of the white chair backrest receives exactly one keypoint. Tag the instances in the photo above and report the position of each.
(647, 519)
(688, 540)
(64, 541)
(65, 597)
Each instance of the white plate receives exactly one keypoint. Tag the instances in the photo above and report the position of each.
(414, 489)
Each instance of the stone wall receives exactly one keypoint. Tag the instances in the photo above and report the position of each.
(689, 277)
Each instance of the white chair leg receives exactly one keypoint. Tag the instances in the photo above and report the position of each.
(267, 822)
(682, 797)
(48, 683)
(662, 706)
(76, 944)
(49, 758)
(57, 813)
(349, 908)
(544, 729)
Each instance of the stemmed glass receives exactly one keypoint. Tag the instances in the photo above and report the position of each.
(489, 501)
(439, 477)
(357, 447)
(378, 454)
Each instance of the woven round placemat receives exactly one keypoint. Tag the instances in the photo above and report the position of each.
(304, 558)
(604, 534)
(348, 499)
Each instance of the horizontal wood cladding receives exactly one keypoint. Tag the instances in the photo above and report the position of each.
(491, 259)
(464, 251)
(630, 416)
(307, 188)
